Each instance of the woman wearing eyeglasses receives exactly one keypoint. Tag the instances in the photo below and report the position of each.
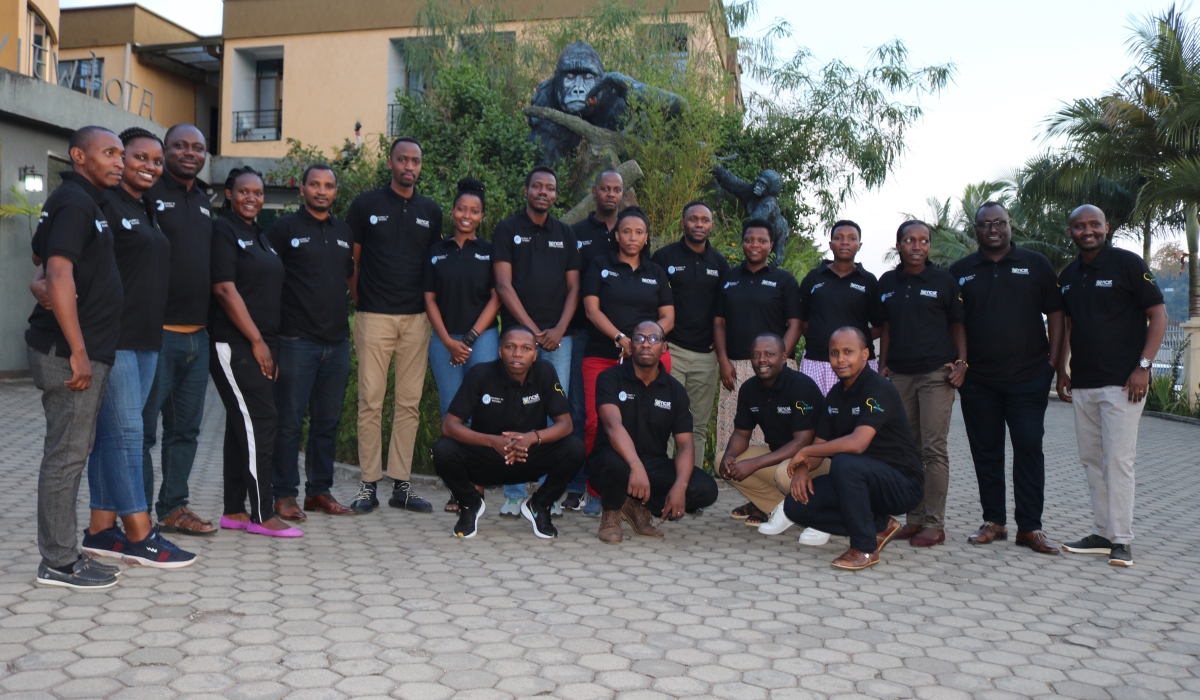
(620, 290)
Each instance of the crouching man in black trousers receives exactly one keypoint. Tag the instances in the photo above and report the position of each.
(507, 402)
(874, 467)
(641, 407)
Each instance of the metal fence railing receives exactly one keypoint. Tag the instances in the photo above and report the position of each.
(258, 125)
(393, 120)
(1164, 361)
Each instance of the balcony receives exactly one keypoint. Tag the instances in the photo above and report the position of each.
(258, 125)
(393, 120)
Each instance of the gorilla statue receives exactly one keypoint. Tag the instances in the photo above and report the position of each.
(580, 87)
(760, 199)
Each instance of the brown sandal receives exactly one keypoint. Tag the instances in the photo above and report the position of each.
(184, 522)
(742, 512)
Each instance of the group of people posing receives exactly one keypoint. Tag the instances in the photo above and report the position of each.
(563, 355)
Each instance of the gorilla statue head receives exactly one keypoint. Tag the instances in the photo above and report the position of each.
(579, 69)
(768, 183)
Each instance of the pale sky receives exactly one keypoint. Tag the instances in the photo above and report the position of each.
(1016, 64)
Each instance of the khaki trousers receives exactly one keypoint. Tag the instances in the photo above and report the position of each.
(378, 338)
(929, 402)
(699, 374)
(1106, 426)
(767, 487)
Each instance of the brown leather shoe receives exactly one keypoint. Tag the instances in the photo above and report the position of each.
(854, 560)
(610, 527)
(1038, 542)
(326, 503)
(928, 537)
(886, 534)
(640, 520)
(988, 532)
(288, 509)
(907, 531)
(184, 522)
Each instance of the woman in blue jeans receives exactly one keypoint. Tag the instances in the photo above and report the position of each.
(460, 298)
(115, 465)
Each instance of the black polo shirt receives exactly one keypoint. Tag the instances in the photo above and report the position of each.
(873, 401)
(73, 226)
(143, 258)
(753, 303)
(540, 257)
(185, 218)
(627, 297)
(1004, 302)
(395, 234)
(791, 404)
(318, 258)
(650, 414)
(593, 239)
(462, 280)
(1107, 301)
(831, 302)
(495, 403)
(242, 254)
(696, 281)
(919, 310)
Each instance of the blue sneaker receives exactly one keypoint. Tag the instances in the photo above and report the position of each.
(106, 543)
(591, 507)
(157, 552)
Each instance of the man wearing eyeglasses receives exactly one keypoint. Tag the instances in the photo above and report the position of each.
(641, 407)
(1006, 291)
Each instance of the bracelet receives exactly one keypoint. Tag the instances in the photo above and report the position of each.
(963, 363)
(539, 437)
(470, 337)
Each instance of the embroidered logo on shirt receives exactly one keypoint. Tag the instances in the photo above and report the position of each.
(929, 293)
(832, 411)
(623, 396)
(580, 244)
(784, 410)
(730, 284)
(713, 273)
(671, 269)
(204, 211)
(885, 296)
(873, 404)
(1149, 277)
(649, 280)
(659, 403)
(964, 280)
(163, 206)
(297, 241)
(342, 243)
(434, 259)
(854, 411)
(101, 225)
(754, 409)
(1103, 283)
(859, 287)
(1020, 270)
(127, 224)
(423, 222)
(1065, 288)
(555, 244)
(489, 399)
(769, 283)
(607, 273)
(243, 244)
(527, 400)
(377, 219)
(803, 408)
(816, 286)
(518, 239)
(482, 257)
(558, 388)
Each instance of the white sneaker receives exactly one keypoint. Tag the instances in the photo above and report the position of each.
(511, 508)
(777, 523)
(556, 510)
(813, 538)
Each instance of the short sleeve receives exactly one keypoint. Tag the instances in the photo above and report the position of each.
(682, 420)
(608, 385)
(224, 255)
(356, 221)
(427, 276)
(573, 258)
(502, 243)
(809, 407)
(743, 419)
(1142, 283)
(665, 296)
(879, 407)
(591, 280)
(69, 233)
(1051, 294)
(467, 398)
(805, 293)
(793, 306)
(956, 311)
(553, 397)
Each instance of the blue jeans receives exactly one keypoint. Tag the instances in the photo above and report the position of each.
(577, 403)
(312, 377)
(561, 359)
(178, 393)
(449, 377)
(115, 465)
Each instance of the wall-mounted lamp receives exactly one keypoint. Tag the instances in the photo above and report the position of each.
(31, 179)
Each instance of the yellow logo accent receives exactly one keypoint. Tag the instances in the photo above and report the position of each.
(803, 408)
(558, 388)
(874, 406)
(1149, 277)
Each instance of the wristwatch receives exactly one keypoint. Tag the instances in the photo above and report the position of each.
(1144, 363)
(617, 340)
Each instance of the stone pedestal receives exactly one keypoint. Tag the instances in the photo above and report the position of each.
(1191, 359)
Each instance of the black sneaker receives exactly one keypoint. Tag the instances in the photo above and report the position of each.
(1121, 555)
(540, 517)
(468, 520)
(573, 501)
(365, 500)
(84, 576)
(1092, 544)
(404, 497)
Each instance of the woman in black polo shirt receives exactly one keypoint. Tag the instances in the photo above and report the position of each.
(923, 350)
(247, 284)
(620, 290)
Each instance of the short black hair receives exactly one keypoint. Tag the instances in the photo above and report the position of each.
(988, 205)
(403, 139)
(602, 173)
(650, 320)
(907, 224)
(541, 169)
(82, 138)
(866, 342)
(317, 166)
(473, 187)
(137, 132)
(758, 223)
(184, 125)
(845, 222)
(772, 336)
(517, 328)
(635, 212)
(694, 203)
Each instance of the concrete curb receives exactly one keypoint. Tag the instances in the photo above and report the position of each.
(1173, 417)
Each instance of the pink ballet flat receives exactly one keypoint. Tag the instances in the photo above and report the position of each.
(231, 524)
(256, 529)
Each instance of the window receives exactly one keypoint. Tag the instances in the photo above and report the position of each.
(258, 94)
(40, 43)
(55, 166)
(671, 41)
(270, 84)
(405, 74)
(86, 75)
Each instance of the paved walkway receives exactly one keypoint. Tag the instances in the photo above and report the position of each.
(388, 604)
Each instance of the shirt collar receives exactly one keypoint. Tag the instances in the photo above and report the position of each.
(524, 215)
(614, 259)
(171, 182)
(450, 243)
(508, 380)
(925, 274)
(239, 225)
(591, 220)
(867, 376)
(393, 193)
(687, 249)
(766, 269)
(1098, 260)
(1014, 253)
(308, 218)
(627, 370)
(120, 193)
(94, 192)
(826, 270)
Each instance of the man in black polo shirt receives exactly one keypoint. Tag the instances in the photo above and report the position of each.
(593, 237)
(314, 346)
(874, 468)
(641, 407)
(1108, 296)
(537, 261)
(1006, 291)
(181, 378)
(72, 346)
(393, 229)
(697, 274)
(508, 402)
(786, 404)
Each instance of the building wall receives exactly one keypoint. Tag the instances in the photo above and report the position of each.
(174, 96)
(14, 30)
(120, 24)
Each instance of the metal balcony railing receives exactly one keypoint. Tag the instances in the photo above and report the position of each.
(393, 120)
(258, 125)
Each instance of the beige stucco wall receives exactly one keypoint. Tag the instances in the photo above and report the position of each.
(174, 95)
(14, 24)
(88, 27)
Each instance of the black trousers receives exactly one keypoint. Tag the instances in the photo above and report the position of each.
(855, 498)
(608, 473)
(251, 423)
(986, 410)
(463, 467)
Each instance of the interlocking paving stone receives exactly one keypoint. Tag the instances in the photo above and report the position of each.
(390, 605)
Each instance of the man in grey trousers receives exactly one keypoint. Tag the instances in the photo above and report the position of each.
(72, 343)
